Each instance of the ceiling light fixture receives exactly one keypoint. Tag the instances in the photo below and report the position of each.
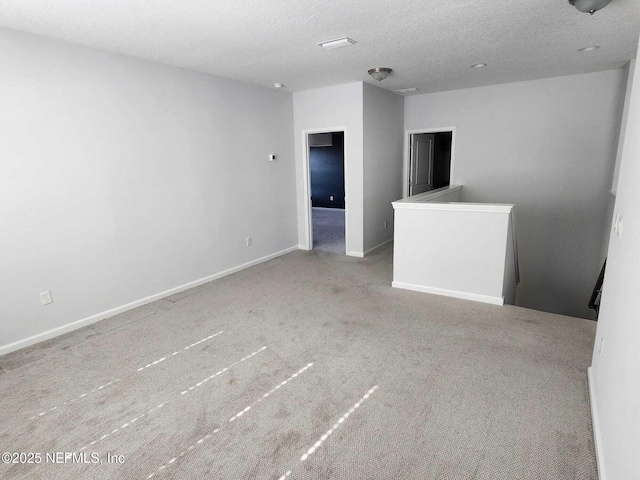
(479, 65)
(589, 49)
(407, 90)
(380, 73)
(278, 85)
(589, 6)
(337, 43)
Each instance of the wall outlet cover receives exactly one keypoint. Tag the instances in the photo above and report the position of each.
(620, 225)
(46, 298)
(617, 225)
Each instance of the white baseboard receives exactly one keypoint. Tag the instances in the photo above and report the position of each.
(476, 297)
(349, 254)
(40, 337)
(377, 247)
(595, 421)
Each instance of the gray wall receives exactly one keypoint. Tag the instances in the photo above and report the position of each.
(615, 382)
(383, 118)
(549, 147)
(333, 109)
(123, 178)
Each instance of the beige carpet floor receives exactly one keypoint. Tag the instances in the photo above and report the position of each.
(309, 366)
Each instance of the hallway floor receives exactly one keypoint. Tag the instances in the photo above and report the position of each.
(328, 230)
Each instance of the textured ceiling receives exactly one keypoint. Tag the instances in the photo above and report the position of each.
(430, 44)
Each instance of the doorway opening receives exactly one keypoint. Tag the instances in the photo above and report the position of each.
(327, 191)
(428, 160)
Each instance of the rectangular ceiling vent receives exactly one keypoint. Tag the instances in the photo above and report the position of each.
(407, 90)
(320, 140)
(337, 43)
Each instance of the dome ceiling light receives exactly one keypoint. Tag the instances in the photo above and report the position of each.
(380, 73)
(589, 6)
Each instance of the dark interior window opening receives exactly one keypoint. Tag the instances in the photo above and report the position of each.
(430, 161)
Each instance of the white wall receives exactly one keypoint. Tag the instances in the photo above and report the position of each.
(628, 72)
(383, 133)
(615, 380)
(123, 178)
(547, 146)
(628, 76)
(454, 249)
(333, 107)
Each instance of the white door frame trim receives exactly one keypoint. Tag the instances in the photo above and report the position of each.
(407, 159)
(306, 172)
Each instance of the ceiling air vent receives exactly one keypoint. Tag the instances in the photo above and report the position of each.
(337, 43)
(320, 140)
(407, 90)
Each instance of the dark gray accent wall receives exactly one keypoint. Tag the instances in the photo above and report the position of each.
(327, 173)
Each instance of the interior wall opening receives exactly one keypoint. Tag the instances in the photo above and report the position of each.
(326, 178)
(430, 161)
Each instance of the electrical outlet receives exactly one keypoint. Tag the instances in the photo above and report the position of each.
(601, 346)
(46, 298)
(248, 240)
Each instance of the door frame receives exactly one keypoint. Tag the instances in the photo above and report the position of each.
(407, 154)
(306, 187)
